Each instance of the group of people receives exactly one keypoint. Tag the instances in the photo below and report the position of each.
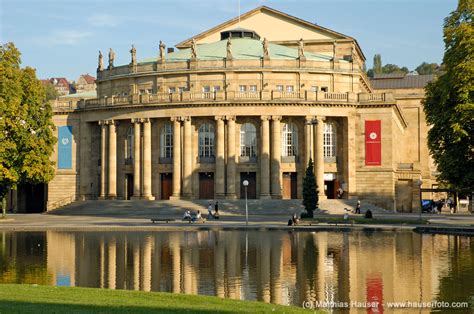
(198, 216)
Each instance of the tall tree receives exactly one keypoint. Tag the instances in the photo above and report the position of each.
(393, 68)
(25, 124)
(310, 190)
(377, 64)
(449, 104)
(51, 92)
(427, 68)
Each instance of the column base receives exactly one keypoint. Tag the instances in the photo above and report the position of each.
(148, 197)
(322, 197)
(175, 197)
(112, 197)
(276, 197)
(231, 197)
(265, 197)
(135, 198)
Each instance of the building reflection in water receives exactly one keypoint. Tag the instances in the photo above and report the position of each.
(276, 267)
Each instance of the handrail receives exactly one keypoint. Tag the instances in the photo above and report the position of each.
(62, 202)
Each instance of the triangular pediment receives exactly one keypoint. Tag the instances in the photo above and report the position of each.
(274, 25)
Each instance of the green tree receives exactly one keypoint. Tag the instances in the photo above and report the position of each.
(310, 190)
(377, 64)
(393, 68)
(427, 68)
(51, 92)
(449, 106)
(26, 125)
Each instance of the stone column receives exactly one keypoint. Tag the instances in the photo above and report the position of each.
(112, 264)
(136, 158)
(276, 157)
(103, 155)
(231, 157)
(112, 193)
(319, 156)
(265, 159)
(220, 164)
(147, 170)
(176, 157)
(308, 135)
(351, 157)
(188, 158)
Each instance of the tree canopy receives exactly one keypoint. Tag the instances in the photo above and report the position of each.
(428, 68)
(25, 124)
(449, 103)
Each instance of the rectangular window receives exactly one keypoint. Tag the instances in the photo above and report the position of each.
(253, 88)
(324, 89)
(172, 90)
(289, 88)
(206, 89)
(242, 88)
(279, 88)
(314, 88)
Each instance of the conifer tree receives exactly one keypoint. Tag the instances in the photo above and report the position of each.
(310, 190)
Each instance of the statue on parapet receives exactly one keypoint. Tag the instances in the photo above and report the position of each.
(100, 67)
(354, 54)
(301, 49)
(162, 51)
(229, 48)
(111, 58)
(193, 50)
(266, 52)
(133, 53)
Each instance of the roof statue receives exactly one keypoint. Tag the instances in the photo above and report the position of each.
(266, 52)
(354, 54)
(162, 51)
(193, 50)
(133, 52)
(100, 67)
(229, 48)
(111, 58)
(301, 49)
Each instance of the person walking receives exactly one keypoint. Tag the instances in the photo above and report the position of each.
(216, 210)
(357, 211)
(209, 211)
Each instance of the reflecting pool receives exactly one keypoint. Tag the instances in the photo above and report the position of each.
(357, 268)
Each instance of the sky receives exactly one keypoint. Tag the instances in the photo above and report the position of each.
(62, 38)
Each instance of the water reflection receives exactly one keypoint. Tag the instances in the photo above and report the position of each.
(277, 267)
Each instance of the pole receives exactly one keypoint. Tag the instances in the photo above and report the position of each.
(246, 208)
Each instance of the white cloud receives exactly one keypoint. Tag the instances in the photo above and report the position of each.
(63, 37)
(102, 20)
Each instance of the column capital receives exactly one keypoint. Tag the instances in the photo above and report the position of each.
(185, 118)
(217, 118)
(321, 118)
(230, 118)
(103, 123)
(276, 118)
(309, 119)
(175, 119)
(111, 122)
(146, 120)
(136, 120)
(265, 118)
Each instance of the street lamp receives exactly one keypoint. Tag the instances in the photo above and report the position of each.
(246, 184)
(419, 182)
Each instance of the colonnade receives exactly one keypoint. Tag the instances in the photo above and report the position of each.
(225, 157)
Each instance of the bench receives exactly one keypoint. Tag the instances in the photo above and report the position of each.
(153, 220)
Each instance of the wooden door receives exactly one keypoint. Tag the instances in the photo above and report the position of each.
(206, 185)
(294, 184)
(166, 185)
(286, 185)
(251, 177)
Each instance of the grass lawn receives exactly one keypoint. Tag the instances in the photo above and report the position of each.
(48, 299)
(365, 221)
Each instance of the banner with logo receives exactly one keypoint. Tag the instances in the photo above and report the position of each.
(373, 143)
(65, 147)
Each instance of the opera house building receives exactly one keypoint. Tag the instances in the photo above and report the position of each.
(251, 99)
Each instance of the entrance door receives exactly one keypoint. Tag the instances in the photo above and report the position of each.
(289, 185)
(166, 185)
(129, 186)
(329, 189)
(206, 185)
(251, 177)
(403, 194)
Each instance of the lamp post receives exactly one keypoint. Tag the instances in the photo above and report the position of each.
(246, 184)
(419, 182)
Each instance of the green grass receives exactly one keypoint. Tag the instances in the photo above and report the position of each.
(48, 299)
(365, 221)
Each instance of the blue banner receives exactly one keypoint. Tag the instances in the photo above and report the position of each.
(65, 147)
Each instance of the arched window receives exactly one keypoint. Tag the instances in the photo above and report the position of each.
(248, 140)
(329, 140)
(129, 145)
(289, 140)
(166, 141)
(206, 141)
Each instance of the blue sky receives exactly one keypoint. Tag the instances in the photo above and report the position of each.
(61, 38)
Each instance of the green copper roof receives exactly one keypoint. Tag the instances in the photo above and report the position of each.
(88, 94)
(242, 48)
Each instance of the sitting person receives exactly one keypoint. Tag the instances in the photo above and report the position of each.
(295, 219)
(197, 216)
(187, 215)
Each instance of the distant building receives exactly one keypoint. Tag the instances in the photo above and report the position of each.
(61, 85)
(85, 83)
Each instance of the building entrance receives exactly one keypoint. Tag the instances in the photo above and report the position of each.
(289, 185)
(128, 186)
(251, 177)
(166, 185)
(32, 198)
(206, 185)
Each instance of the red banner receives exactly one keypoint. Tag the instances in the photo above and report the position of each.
(373, 143)
(374, 286)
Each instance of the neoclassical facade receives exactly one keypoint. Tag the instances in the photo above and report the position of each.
(251, 100)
